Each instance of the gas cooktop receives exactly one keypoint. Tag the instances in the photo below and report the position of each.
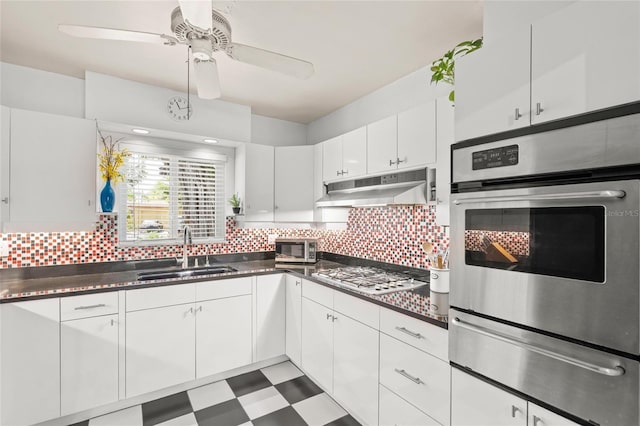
(368, 279)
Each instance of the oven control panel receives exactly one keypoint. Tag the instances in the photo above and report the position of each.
(495, 157)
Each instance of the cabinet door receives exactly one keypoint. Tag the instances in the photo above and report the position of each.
(317, 343)
(293, 306)
(488, 95)
(572, 55)
(417, 136)
(332, 159)
(396, 411)
(354, 153)
(355, 367)
(223, 335)
(270, 316)
(5, 140)
(259, 181)
(474, 402)
(382, 145)
(53, 173)
(29, 361)
(160, 348)
(294, 184)
(539, 416)
(445, 137)
(89, 362)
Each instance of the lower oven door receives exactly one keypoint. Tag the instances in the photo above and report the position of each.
(560, 258)
(588, 383)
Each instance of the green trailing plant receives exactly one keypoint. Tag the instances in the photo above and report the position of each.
(443, 69)
(235, 200)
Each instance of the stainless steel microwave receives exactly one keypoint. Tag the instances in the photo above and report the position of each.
(296, 250)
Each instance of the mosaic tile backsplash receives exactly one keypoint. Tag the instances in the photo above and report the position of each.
(392, 234)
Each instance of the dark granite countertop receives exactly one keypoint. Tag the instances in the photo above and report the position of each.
(59, 281)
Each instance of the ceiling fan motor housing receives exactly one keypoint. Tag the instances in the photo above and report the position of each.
(219, 35)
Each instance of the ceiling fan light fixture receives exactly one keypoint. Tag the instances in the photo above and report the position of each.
(201, 49)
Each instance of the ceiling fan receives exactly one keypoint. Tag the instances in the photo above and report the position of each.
(195, 24)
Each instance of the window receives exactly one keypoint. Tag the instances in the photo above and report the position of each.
(164, 192)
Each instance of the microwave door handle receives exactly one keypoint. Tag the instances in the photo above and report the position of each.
(591, 195)
(607, 371)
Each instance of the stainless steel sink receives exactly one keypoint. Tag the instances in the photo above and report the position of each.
(184, 273)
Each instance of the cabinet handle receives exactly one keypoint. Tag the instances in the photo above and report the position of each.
(329, 316)
(537, 420)
(199, 309)
(191, 310)
(518, 115)
(113, 322)
(391, 163)
(415, 380)
(410, 333)
(539, 108)
(5, 200)
(99, 305)
(345, 172)
(338, 173)
(514, 411)
(333, 318)
(398, 161)
(298, 282)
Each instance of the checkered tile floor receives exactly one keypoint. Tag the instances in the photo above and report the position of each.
(272, 396)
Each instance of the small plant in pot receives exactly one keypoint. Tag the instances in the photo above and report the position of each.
(235, 203)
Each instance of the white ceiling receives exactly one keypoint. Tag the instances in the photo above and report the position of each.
(356, 46)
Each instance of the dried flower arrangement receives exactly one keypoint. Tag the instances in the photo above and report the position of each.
(111, 159)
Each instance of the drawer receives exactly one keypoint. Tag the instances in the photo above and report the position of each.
(156, 297)
(419, 378)
(427, 337)
(88, 305)
(318, 293)
(220, 289)
(396, 411)
(360, 310)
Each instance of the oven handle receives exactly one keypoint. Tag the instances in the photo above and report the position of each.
(616, 371)
(546, 197)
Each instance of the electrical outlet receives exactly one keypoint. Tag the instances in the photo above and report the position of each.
(4, 248)
(271, 238)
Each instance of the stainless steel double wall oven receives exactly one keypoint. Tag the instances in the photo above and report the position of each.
(545, 261)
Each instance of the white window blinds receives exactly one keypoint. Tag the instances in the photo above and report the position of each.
(166, 192)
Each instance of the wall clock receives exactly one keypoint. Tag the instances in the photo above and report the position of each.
(179, 109)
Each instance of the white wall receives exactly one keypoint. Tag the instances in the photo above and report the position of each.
(502, 17)
(275, 132)
(404, 93)
(35, 90)
(122, 101)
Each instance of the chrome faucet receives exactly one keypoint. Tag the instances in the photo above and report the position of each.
(188, 239)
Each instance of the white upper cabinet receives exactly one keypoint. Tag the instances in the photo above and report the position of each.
(492, 87)
(52, 173)
(294, 200)
(585, 57)
(566, 71)
(417, 136)
(5, 140)
(345, 156)
(445, 137)
(382, 145)
(259, 183)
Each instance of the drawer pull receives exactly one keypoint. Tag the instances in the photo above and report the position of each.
(410, 333)
(415, 380)
(99, 305)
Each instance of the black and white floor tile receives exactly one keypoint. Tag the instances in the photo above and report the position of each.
(272, 396)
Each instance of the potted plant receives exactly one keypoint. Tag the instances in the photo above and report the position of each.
(109, 162)
(443, 69)
(235, 203)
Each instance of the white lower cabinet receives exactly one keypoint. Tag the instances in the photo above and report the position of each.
(270, 316)
(223, 335)
(293, 314)
(420, 378)
(88, 362)
(396, 411)
(29, 361)
(475, 402)
(160, 348)
(317, 342)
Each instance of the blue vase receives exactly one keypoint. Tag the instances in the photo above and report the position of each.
(107, 197)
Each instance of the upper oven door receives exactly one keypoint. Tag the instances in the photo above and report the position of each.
(562, 258)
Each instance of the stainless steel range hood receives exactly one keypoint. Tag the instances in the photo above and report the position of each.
(393, 188)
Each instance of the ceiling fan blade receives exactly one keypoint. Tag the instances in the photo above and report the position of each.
(113, 34)
(207, 80)
(271, 60)
(197, 13)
